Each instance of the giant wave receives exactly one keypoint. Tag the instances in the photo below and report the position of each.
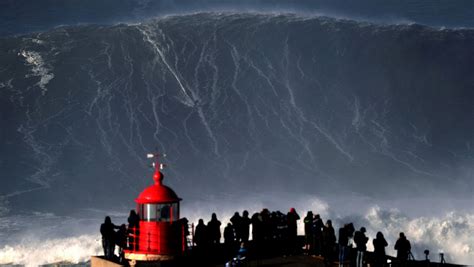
(242, 104)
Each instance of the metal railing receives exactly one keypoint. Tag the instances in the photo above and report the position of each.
(154, 241)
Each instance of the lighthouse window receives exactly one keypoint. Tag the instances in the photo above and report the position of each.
(148, 212)
(168, 212)
(165, 213)
(159, 212)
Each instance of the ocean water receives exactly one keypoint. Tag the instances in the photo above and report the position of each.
(357, 119)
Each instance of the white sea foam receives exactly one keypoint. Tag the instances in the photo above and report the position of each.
(450, 232)
(33, 252)
(37, 238)
(39, 68)
(37, 41)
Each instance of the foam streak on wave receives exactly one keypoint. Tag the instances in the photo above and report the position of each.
(39, 68)
(188, 101)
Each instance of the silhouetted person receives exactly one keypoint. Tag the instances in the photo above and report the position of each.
(236, 221)
(308, 231)
(184, 223)
(351, 253)
(121, 240)
(329, 242)
(229, 235)
(200, 234)
(292, 218)
(403, 247)
(282, 227)
(133, 233)
(276, 226)
(318, 226)
(379, 250)
(257, 225)
(350, 230)
(245, 226)
(266, 224)
(343, 244)
(361, 244)
(214, 229)
(108, 237)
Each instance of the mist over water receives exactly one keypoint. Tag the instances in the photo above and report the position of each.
(356, 121)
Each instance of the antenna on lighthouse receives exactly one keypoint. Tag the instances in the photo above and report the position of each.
(156, 161)
(157, 176)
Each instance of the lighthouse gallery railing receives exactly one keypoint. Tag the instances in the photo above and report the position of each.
(158, 242)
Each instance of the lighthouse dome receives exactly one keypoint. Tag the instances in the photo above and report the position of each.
(157, 193)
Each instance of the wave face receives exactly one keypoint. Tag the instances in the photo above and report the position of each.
(241, 104)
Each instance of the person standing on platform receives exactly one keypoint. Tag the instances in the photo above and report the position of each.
(361, 245)
(403, 248)
(133, 233)
(108, 237)
(379, 250)
(292, 219)
(329, 242)
(214, 230)
(236, 221)
(343, 245)
(308, 231)
(245, 226)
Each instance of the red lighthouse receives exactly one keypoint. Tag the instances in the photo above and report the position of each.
(160, 235)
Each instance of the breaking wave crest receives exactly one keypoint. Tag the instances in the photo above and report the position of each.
(34, 252)
(450, 234)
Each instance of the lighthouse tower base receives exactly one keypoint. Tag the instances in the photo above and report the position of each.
(100, 261)
(134, 257)
(137, 260)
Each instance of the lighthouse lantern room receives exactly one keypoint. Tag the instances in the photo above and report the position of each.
(160, 234)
